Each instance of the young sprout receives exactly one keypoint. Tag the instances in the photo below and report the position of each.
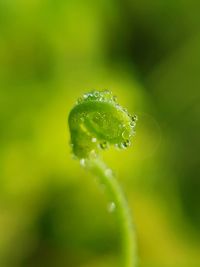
(96, 122)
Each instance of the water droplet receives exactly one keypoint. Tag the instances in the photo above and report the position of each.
(106, 91)
(114, 98)
(118, 106)
(123, 145)
(85, 96)
(108, 172)
(132, 124)
(126, 143)
(134, 118)
(103, 145)
(96, 94)
(111, 207)
(94, 139)
(82, 162)
(90, 95)
(106, 95)
(126, 134)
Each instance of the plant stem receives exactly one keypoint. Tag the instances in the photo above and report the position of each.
(106, 177)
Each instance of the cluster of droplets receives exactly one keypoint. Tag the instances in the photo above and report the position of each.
(103, 145)
(127, 134)
(102, 96)
(107, 96)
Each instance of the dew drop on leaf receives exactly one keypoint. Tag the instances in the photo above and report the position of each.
(114, 98)
(132, 124)
(85, 96)
(125, 110)
(103, 145)
(126, 134)
(96, 94)
(134, 118)
(126, 143)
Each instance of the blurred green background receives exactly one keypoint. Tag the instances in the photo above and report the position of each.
(53, 213)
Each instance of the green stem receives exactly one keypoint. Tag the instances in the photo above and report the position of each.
(106, 177)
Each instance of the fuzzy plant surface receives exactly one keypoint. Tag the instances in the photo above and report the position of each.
(96, 122)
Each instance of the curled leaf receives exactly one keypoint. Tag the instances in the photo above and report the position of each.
(97, 121)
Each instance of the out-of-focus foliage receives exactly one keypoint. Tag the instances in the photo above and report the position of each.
(52, 213)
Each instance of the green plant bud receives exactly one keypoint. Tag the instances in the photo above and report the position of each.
(97, 121)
